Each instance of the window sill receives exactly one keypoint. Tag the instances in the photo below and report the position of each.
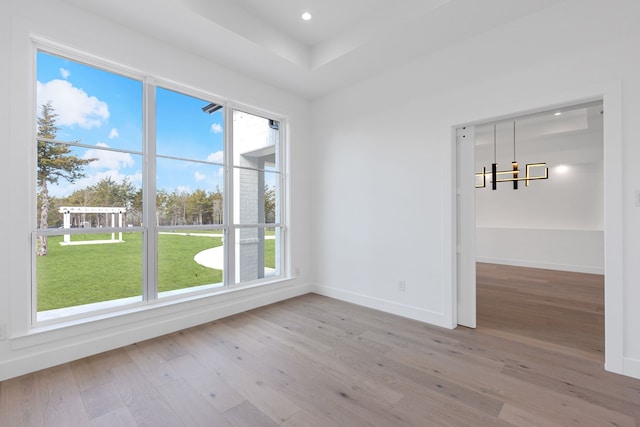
(57, 325)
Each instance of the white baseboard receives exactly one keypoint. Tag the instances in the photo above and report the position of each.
(631, 367)
(546, 266)
(31, 358)
(411, 312)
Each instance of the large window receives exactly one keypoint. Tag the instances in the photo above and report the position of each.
(147, 191)
(256, 206)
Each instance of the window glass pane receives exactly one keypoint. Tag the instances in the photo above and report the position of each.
(258, 253)
(189, 193)
(255, 141)
(90, 170)
(272, 252)
(188, 259)
(80, 104)
(111, 179)
(81, 269)
(188, 127)
(90, 188)
(257, 197)
(90, 105)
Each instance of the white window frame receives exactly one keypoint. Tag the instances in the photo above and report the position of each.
(150, 229)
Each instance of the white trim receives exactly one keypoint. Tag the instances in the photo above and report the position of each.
(111, 333)
(613, 228)
(404, 310)
(632, 367)
(244, 108)
(229, 274)
(285, 193)
(44, 44)
(89, 147)
(149, 192)
(465, 240)
(150, 84)
(610, 93)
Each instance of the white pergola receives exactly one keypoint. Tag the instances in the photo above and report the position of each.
(67, 211)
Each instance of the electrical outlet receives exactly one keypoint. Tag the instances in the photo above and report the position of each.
(296, 272)
(402, 286)
(3, 332)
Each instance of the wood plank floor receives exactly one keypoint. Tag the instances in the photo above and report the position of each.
(315, 361)
(560, 309)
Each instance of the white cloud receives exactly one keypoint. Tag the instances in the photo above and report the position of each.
(217, 157)
(65, 73)
(112, 160)
(72, 104)
(216, 128)
(114, 133)
(198, 176)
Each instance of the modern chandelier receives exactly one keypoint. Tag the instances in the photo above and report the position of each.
(512, 175)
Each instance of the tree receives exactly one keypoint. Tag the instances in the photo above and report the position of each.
(136, 209)
(269, 204)
(162, 206)
(109, 193)
(175, 207)
(217, 211)
(199, 206)
(55, 162)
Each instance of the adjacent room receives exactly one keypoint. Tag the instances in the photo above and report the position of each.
(540, 242)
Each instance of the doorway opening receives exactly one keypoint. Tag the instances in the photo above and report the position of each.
(464, 291)
(540, 247)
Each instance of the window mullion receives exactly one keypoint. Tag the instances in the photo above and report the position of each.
(282, 211)
(150, 268)
(230, 233)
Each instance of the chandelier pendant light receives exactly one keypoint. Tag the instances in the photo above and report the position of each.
(513, 175)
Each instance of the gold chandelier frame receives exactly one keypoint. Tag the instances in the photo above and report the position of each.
(514, 173)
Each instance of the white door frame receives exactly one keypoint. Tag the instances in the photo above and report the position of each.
(610, 93)
(465, 242)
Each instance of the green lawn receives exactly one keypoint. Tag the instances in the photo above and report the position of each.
(84, 274)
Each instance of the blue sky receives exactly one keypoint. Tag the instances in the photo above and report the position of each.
(105, 109)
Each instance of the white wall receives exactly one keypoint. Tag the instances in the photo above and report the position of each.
(29, 350)
(556, 223)
(580, 251)
(5, 177)
(384, 158)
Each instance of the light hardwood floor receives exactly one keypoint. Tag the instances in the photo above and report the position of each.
(555, 309)
(315, 361)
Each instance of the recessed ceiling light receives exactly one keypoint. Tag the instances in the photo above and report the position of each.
(306, 16)
(558, 113)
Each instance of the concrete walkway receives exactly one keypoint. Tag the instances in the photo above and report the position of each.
(211, 258)
(214, 258)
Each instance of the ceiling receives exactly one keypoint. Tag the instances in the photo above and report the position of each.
(569, 136)
(531, 129)
(345, 42)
